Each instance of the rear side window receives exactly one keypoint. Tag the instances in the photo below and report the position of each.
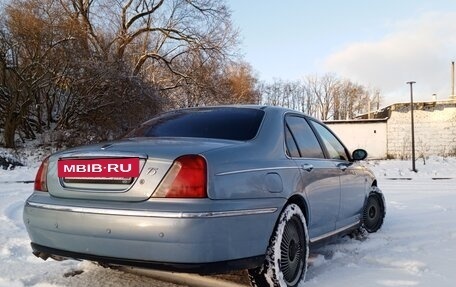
(219, 123)
(307, 142)
(334, 147)
(292, 148)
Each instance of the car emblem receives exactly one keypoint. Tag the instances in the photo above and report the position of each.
(152, 171)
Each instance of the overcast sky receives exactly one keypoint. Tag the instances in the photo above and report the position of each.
(381, 44)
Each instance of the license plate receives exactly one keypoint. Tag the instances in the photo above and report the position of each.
(96, 168)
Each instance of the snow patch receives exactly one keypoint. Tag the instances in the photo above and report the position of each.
(397, 205)
(413, 267)
(317, 260)
(439, 208)
(338, 255)
(7, 283)
(398, 283)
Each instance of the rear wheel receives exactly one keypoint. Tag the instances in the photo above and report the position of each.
(286, 259)
(374, 213)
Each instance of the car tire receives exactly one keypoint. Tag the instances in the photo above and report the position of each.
(373, 213)
(285, 264)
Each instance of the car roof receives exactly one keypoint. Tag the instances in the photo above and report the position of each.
(249, 106)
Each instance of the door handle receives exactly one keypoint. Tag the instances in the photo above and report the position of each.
(307, 167)
(343, 166)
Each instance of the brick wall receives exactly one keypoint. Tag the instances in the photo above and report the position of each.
(435, 129)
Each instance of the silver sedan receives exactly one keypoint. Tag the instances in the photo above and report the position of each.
(205, 190)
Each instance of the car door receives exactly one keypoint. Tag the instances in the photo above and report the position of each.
(352, 180)
(319, 176)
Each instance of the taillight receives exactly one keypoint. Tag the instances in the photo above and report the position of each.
(185, 179)
(40, 179)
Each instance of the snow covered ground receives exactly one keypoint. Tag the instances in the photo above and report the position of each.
(415, 247)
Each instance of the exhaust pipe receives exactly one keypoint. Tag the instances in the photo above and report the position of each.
(41, 255)
(45, 256)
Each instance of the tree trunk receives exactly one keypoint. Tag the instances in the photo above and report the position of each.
(9, 132)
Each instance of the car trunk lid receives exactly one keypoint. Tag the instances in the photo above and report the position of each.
(153, 157)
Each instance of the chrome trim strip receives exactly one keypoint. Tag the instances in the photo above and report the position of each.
(145, 213)
(313, 240)
(101, 154)
(257, 169)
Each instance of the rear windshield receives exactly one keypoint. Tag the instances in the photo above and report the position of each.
(219, 123)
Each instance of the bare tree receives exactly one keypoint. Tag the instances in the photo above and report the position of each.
(325, 97)
(153, 36)
(273, 93)
(213, 82)
(51, 80)
(82, 65)
(324, 90)
(30, 41)
(351, 100)
(242, 84)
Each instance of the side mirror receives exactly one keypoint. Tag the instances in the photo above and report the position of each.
(359, 154)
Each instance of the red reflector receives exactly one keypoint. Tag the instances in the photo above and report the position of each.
(95, 168)
(40, 178)
(185, 179)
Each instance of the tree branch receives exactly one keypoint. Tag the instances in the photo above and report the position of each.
(143, 14)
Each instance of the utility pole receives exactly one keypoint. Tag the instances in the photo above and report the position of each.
(413, 124)
(378, 99)
(452, 80)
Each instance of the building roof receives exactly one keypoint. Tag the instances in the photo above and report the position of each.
(385, 113)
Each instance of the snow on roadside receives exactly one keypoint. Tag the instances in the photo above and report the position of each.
(415, 247)
(27, 156)
(434, 167)
(417, 244)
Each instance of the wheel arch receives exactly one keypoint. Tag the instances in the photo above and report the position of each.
(300, 201)
(374, 183)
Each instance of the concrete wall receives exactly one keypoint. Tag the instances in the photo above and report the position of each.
(435, 130)
(370, 135)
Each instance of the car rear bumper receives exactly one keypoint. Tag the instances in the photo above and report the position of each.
(200, 268)
(138, 237)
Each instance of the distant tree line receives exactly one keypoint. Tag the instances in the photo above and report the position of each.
(78, 71)
(326, 97)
